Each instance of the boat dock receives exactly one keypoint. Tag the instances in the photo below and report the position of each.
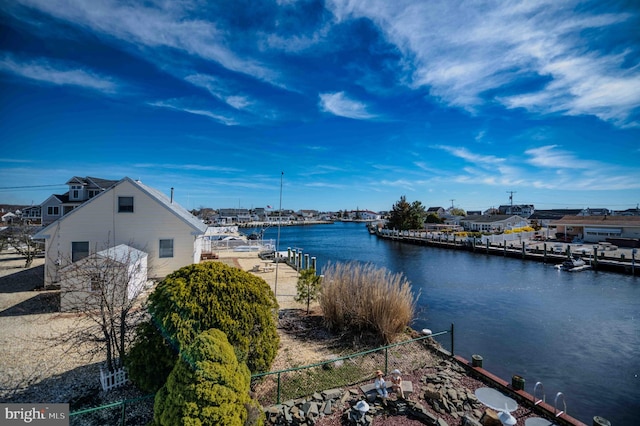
(599, 256)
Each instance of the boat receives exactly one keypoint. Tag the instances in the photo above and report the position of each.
(573, 264)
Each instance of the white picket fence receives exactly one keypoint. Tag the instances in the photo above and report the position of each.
(112, 380)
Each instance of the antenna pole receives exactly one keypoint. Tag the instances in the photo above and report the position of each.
(275, 287)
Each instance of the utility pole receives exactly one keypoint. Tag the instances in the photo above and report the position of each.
(275, 286)
(511, 196)
(452, 200)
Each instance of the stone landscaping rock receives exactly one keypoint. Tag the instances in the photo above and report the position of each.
(442, 391)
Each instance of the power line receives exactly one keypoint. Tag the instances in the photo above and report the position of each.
(29, 186)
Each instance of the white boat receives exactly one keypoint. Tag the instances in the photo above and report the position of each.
(573, 264)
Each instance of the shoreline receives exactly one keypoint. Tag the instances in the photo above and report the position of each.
(534, 251)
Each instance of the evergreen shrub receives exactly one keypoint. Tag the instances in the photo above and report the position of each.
(198, 297)
(207, 386)
(360, 297)
(150, 359)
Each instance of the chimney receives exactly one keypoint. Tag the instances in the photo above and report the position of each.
(172, 195)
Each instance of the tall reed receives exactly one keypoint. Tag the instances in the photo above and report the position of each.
(360, 297)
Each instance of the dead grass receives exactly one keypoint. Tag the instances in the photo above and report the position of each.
(365, 298)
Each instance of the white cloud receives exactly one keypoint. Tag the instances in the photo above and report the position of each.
(155, 25)
(180, 105)
(57, 73)
(220, 89)
(339, 104)
(465, 154)
(460, 52)
(550, 156)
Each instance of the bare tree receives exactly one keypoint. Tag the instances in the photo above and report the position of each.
(105, 288)
(20, 238)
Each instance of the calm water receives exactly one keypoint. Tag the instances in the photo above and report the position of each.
(577, 333)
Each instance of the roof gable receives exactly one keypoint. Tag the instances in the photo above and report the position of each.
(196, 225)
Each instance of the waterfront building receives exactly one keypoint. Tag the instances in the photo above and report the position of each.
(492, 223)
(620, 230)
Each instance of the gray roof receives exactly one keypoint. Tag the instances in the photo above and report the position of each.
(489, 219)
(92, 182)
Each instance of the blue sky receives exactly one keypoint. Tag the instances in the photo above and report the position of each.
(357, 102)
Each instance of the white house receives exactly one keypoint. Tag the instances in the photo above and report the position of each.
(494, 223)
(114, 276)
(130, 213)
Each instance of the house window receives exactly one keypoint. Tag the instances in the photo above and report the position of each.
(125, 204)
(96, 283)
(79, 250)
(166, 248)
(53, 211)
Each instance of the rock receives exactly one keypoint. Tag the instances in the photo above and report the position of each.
(332, 394)
(467, 420)
(453, 395)
(441, 422)
(431, 393)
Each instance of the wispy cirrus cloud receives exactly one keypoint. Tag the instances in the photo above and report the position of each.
(222, 90)
(530, 55)
(466, 154)
(156, 25)
(184, 106)
(341, 105)
(550, 156)
(57, 73)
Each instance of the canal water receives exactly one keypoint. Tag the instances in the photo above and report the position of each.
(577, 333)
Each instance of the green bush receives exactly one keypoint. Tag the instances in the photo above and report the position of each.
(207, 386)
(203, 296)
(150, 359)
(357, 297)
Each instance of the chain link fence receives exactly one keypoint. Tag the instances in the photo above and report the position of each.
(278, 386)
(133, 412)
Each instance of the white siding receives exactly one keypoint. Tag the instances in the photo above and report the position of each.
(98, 222)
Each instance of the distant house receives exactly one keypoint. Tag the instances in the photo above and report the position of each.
(308, 214)
(233, 216)
(32, 214)
(494, 223)
(52, 209)
(81, 189)
(544, 217)
(116, 274)
(594, 229)
(9, 217)
(439, 211)
(369, 215)
(523, 210)
(130, 213)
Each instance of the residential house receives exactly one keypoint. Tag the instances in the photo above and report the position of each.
(81, 189)
(231, 216)
(438, 211)
(9, 218)
(494, 223)
(544, 217)
(523, 210)
(32, 214)
(131, 213)
(369, 215)
(308, 214)
(594, 229)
